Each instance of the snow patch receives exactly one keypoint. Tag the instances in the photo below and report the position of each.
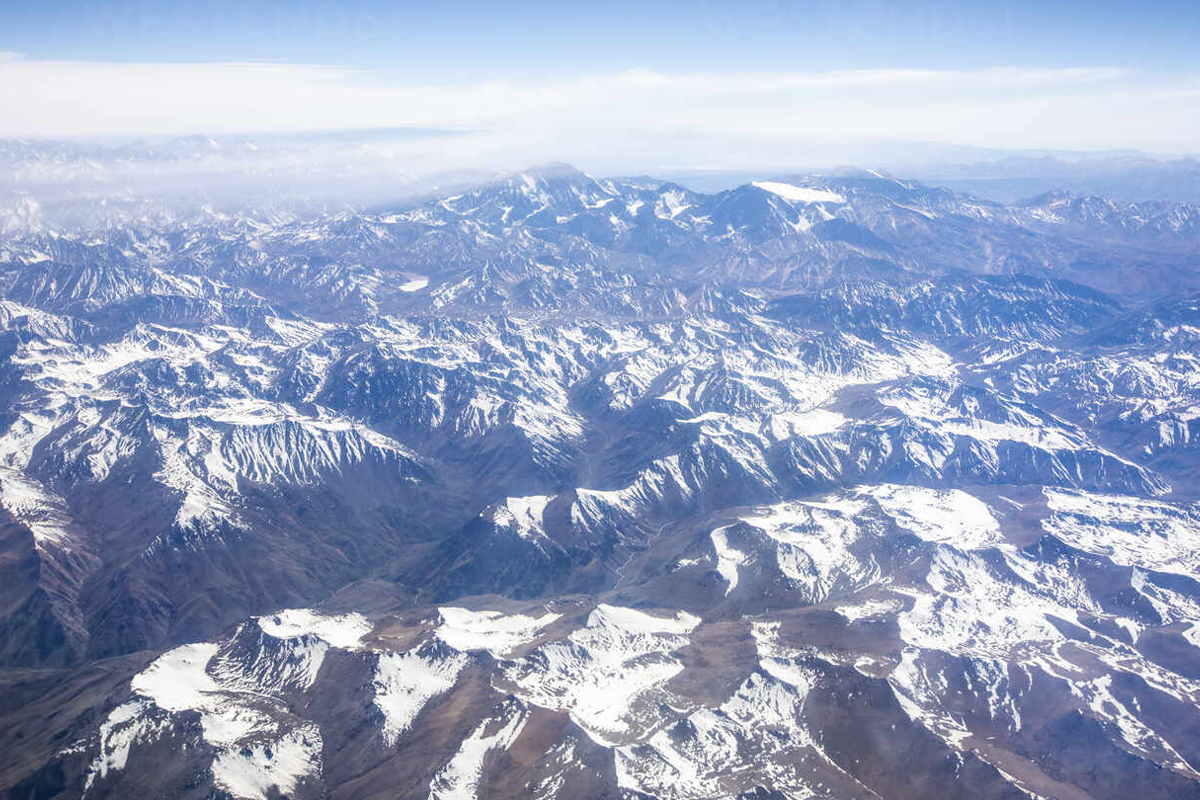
(229, 716)
(816, 422)
(405, 682)
(459, 779)
(415, 283)
(252, 772)
(604, 670)
(1129, 531)
(522, 514)
(728, 559)
(497, 633)
(871, 609)
(953, 517)
(344, 630)
(799, 194)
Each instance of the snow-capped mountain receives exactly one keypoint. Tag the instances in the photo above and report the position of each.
(559, 486)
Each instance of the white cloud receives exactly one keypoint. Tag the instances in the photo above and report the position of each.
(690, 117)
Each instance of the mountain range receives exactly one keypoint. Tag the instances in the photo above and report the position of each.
(823, 486)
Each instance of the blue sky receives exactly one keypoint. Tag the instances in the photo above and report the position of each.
(1004, 74)
(459, 39)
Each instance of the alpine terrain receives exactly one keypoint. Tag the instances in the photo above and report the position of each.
(544, 485)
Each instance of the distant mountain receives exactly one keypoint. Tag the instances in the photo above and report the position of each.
(1127, 177)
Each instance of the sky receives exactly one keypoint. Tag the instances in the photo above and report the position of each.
(702, 83)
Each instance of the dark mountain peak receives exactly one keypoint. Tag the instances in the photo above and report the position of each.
(860, 173)
(555, 171)
(1050, 198)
